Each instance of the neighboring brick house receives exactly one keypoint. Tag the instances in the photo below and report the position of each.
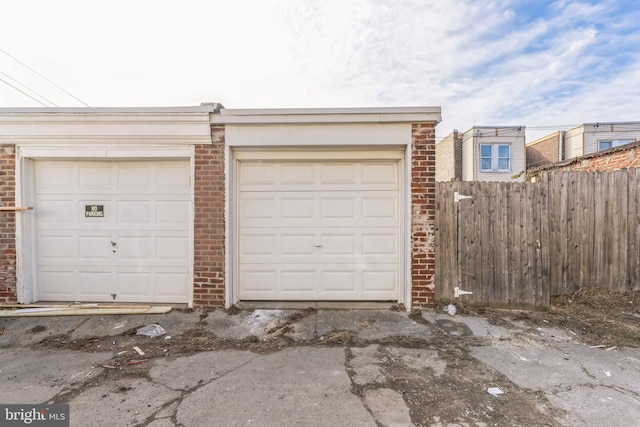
(545, 150)
(208, 206)
(483, 153)
(621, 157)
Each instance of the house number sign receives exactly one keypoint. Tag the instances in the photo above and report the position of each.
(94, 211)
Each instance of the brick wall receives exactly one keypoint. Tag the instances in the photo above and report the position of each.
(423, 210)
(209, 223)
(616, 158)
(622, 157)
(7, 225)
(543, 151)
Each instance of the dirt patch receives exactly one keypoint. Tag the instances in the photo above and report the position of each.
(594, 316)
(36, 329)
(459, 395)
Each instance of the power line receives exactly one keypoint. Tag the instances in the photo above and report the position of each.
(43, 77)
(28, 88)
(23, 92)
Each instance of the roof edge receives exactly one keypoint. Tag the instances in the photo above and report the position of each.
(328, 115)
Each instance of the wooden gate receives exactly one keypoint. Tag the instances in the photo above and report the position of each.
(492, 241)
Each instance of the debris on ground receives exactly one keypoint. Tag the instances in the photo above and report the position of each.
(495, 391)
(450, 309)
(153, 330)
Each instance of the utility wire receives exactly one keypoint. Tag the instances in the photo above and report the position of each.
(28, 88)
(23, 92)
(43, 77)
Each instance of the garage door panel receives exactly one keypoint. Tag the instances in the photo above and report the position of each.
(256, 280)
(293, 174)
(174, 212)
(298, 281)
(133, 211)
(318, 230)
(339, 244)
(172, 248)
(54, 249)
(380, 207)
(95, 247)
(144, 231)
(56, 211)
(319, 245)
(338, 208)
(134, 177)
(135, 248)
(95, 178)
(379, 279)
(169, 177)
(337, 173)
(317, 209)
(60, 176)
(338, 281)
(297, 244)
(380, 173)
(94, 285)
(57, 284)
(257, 174)
(295, 208)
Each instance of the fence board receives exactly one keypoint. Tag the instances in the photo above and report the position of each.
(515, 245)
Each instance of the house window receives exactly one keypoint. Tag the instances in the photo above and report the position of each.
(605, 144)
(495, 157)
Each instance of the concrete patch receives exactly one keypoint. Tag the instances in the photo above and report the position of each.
(418, 359)
(26, 331)
(597, 406)
(278, 389)
(245, 324)
(173, 322)
(596, 387)
(179, 374)
(388, 407)
(128, 402)
(365, 365)
(533, 367)
(163, 422)
(28, 376)
(368, 324)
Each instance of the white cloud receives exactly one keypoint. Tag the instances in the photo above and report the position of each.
(483, 62)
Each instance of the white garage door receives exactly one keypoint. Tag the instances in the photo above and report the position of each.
(318, 230)
(113, 231)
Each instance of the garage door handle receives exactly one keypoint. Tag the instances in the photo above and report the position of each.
(318, 246)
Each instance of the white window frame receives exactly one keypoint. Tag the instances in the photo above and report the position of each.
(613, 142)
(495, 149)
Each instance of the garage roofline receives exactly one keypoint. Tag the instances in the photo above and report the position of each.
(326, 115)
(201, 109)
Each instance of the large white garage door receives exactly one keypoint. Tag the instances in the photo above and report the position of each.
(113, 231)
(318, 230)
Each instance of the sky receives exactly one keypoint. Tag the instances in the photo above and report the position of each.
(546, 65)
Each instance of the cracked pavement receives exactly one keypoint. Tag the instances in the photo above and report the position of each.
(316, 368)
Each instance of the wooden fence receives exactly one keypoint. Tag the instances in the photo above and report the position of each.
(515, 244)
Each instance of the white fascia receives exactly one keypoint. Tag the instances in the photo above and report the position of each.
(327, 115)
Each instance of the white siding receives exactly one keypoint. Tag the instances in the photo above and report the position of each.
(467, 156)
(573, 143)
(513, 136)
(608, 131)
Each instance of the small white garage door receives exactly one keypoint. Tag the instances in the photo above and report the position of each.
(113, 231)
(318, 230)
